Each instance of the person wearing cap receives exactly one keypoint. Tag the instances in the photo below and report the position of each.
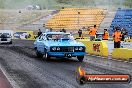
(92, 33)
(63, 30)
(117, 37)
(105, 35)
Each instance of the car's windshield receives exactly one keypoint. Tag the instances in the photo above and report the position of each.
(6, 35)
(59, 37)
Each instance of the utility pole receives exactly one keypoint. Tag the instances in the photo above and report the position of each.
(78, 19)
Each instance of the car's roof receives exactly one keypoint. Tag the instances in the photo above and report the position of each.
(56, 33)
(4, 33)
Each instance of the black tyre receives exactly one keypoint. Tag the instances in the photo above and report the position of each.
(39, 55)
(82, 80)
(10, 42)
(80, 58)
(47, 56)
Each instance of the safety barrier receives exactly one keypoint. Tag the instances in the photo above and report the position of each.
(96, 47)
(25, 35)
(35, 37)
(122, 53)
(128, 40)
(82, 38)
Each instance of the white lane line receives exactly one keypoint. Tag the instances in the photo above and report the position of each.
(122, 61)
(92, 55)
(130, 62)
(98, 56)
(88, 54)
(126, 61)
(119, 60)
(110, 58)
(114, 59)
(104, 57)
(9, 78)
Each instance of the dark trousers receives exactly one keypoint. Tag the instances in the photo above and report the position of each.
(80, 34)
(104, 39)
(117, 44)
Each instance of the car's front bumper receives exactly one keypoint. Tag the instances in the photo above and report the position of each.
(5, 41)
(8, 40)
(66, 54)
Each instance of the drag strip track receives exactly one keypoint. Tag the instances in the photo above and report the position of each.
(28, 71)
(31, 53)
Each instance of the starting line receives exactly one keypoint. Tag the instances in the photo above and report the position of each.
(109, 58)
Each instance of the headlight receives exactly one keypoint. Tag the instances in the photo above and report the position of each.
(80, 48)
(58, 48)
(53, 48)
(76, 48)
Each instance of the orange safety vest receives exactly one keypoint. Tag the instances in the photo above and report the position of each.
(117, 36)
(93, 32)
(106, 35)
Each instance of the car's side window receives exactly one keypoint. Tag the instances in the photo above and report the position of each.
(42, 37)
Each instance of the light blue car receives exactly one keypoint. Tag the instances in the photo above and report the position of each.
(58, 44)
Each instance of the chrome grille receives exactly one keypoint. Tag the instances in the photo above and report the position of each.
(67, 49)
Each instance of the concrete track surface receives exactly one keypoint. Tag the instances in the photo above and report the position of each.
(24, 70)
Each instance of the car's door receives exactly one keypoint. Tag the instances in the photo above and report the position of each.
(40, 43)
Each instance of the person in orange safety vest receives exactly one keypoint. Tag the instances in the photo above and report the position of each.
(92, 33)
(105, 35)
(117, 37)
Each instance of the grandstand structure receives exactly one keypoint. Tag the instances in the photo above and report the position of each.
(122, 19)
(76, 18)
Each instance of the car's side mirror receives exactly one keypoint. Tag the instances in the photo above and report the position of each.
(44, 39)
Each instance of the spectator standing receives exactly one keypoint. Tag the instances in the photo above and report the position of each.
(63, 30)
(92, 33)
(130, 36)
(117, 37)
(105, 35)
(51, 29)
(39, 32)
(80, 32)
(124, 34)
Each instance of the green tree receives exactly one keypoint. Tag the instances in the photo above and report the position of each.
(128, 3)
(2, 4)
(64, 1)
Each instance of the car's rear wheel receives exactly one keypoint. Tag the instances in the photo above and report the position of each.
(80, 58)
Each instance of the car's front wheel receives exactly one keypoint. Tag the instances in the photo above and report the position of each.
(80, 58)
(46, 56)
(82, 80)
(39, 55)
(10, 42)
